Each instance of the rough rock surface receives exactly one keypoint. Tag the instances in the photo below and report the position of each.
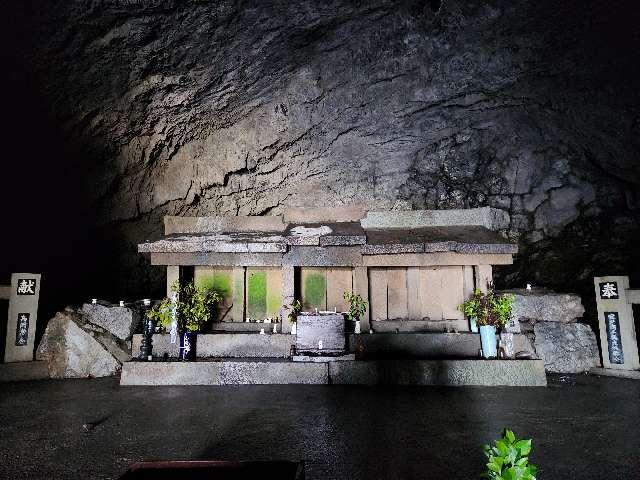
(120, 321)
(566, 348)
(544, 306)
(71, 352)
(191, 108)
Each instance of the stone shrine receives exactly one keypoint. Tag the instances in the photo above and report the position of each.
(412, 267)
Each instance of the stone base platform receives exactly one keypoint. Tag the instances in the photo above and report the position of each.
(19, 371)
(424, 345)
(384, 372)
(614, 372)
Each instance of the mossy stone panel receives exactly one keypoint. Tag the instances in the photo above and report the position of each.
(220, 280)
(264, 292)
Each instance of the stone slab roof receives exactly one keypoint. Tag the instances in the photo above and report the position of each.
(471, 239)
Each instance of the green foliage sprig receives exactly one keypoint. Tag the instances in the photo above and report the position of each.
(488, 308)
(357, 306)
(294, 309)
(508, 459)
(193, 307)
(162, 312)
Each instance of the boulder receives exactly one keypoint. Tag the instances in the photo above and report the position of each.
(120, 321)
(566, 347)
(545, 306)
(71, 352)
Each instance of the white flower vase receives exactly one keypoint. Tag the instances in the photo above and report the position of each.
(357, 327)
(293, 329)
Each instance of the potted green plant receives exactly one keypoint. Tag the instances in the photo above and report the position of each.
(160, 314)
(492, 312)
(193, 305)
(294, 309)
(357, 307)
(508, 459)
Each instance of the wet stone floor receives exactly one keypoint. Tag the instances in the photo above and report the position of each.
(584, 427)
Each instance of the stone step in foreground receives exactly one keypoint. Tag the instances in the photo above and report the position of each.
(381, 372)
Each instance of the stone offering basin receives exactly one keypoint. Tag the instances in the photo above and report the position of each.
(328, 328)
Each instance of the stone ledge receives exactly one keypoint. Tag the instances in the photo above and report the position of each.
(488, 217)
(616, 372)
(21, 371)
(385, 372)
(521, 373)
(232, 345)
(223, 373)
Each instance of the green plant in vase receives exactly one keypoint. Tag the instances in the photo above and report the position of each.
(191, 307)
(357, 307)
(294, 310)
(492, 313)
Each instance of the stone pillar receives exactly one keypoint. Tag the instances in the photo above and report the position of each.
(288, 295)
(361, 286)
(615, 318)
(484, 277)
(173, 274)
(22, 318)
(237, 311)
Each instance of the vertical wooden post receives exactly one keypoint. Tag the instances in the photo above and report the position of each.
(615, 319)
(467, 281)
(288, 295)
(484, 277)
(413, 293)
(173, 274)
(237, 310)
(361, 286)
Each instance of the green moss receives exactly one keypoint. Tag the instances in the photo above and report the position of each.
(315, 291)
(274, 302)
(257, 295)
(219, 282)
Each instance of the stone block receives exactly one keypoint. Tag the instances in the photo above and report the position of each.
(545, 306)
(71, 352)
(323, 256)
(239, 223)
(491, 218)
(120, 321)
(218, 259)
(223, 373)
(311, 329)
(349, 213)
(230, 345)
(566, 348)
(521, 373)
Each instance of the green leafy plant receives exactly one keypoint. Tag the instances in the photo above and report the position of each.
(508, 459)
(294, 309)
(357, 306)
(193, 306)
(162, 312)
(488, 308)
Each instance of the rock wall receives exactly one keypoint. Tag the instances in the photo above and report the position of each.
(197, 107)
